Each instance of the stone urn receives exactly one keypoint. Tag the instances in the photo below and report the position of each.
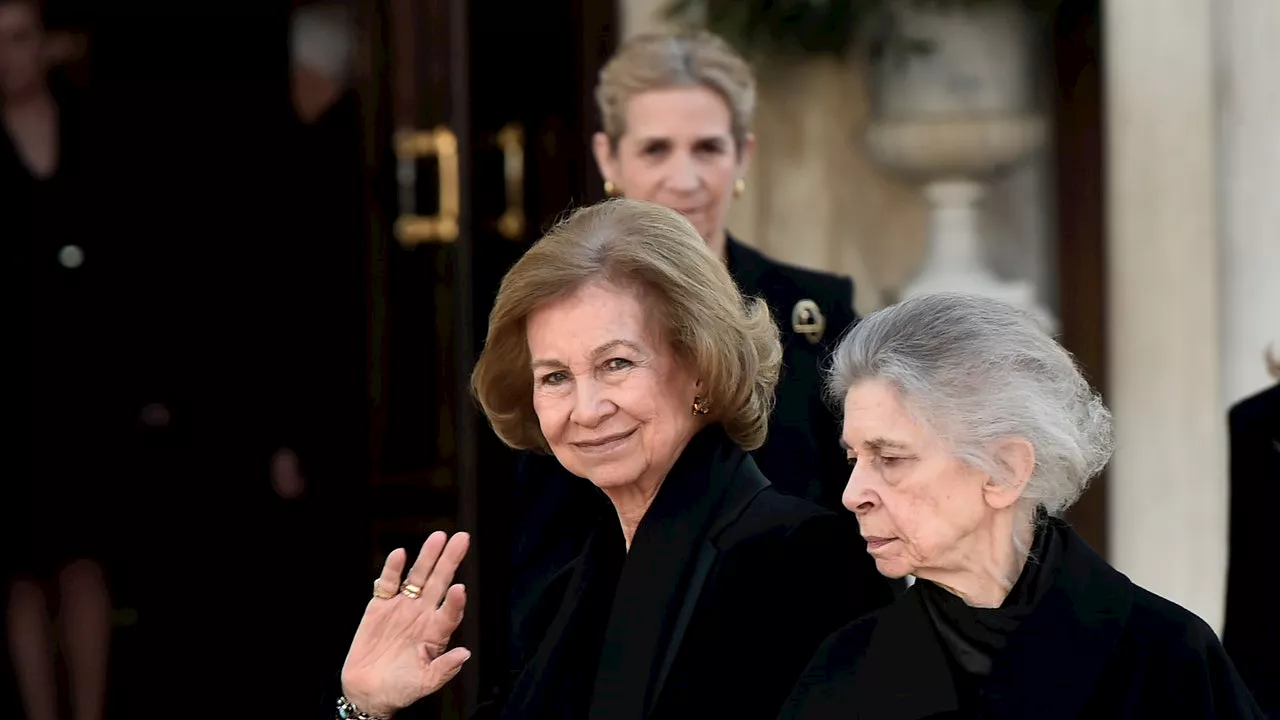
(950, 116)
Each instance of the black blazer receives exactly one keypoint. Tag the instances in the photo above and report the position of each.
(1251, 633)
(1094, 646)
(802, 456)
(728, 589)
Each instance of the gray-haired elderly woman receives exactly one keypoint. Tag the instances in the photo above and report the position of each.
(967, 427)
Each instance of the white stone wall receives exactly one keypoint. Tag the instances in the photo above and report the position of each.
(1249, 183)
(639, 16)
(1194, 252)
(1168, 494)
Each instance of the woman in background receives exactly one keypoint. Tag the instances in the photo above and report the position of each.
(58, 424)
(676, 111)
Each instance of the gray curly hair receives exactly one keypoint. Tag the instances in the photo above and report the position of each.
(976, 370)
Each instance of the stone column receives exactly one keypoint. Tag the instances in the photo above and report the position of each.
(1249, 179)
(1167, 489)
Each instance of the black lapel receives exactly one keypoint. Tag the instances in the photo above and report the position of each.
(748, 484)
(905, 674)
(657, 575)
(1060, 651)
(542, 687)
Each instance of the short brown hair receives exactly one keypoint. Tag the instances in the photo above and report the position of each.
(731, 342)
(657, 61)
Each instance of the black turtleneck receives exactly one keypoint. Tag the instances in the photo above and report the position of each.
(973, 636)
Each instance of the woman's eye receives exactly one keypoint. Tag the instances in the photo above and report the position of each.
(853, 461)
(554, 378)
(617, 364)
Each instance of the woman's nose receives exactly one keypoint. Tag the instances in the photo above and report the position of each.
(684, 174)
(591, 405)
(858, 497)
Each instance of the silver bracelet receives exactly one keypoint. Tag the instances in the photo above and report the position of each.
(347, 711)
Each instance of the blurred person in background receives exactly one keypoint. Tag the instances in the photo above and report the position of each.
(1251, 627)
(318, 396)
(58, 420)
(676, 111)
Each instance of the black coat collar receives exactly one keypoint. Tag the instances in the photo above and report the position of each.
(642, 600)
(670, 557)
(1058, 652)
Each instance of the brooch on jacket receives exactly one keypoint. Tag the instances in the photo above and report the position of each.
(807, 320)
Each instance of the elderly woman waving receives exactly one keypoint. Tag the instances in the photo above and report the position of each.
(966, 426)
(621, 344)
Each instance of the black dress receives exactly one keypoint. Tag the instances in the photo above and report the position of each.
(1074, 639)
(60, 412)
(727, 588)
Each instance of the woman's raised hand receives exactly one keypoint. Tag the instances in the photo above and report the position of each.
(400, 652)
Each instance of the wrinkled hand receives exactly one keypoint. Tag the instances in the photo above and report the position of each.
(400, 651)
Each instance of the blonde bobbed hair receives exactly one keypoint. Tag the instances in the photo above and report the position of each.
(730, 342)
(660, 61)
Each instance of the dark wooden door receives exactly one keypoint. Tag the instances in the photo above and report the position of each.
(1080, 165)
(421, 329)
(477, 137)
(468, 114)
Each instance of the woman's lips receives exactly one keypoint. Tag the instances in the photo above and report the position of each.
(875, 543)
(604, 444)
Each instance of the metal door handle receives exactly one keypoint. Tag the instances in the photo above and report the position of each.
(511, 139)
(411, 145)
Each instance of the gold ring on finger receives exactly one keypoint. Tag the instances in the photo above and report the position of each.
(411, 591)
(380, 592)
